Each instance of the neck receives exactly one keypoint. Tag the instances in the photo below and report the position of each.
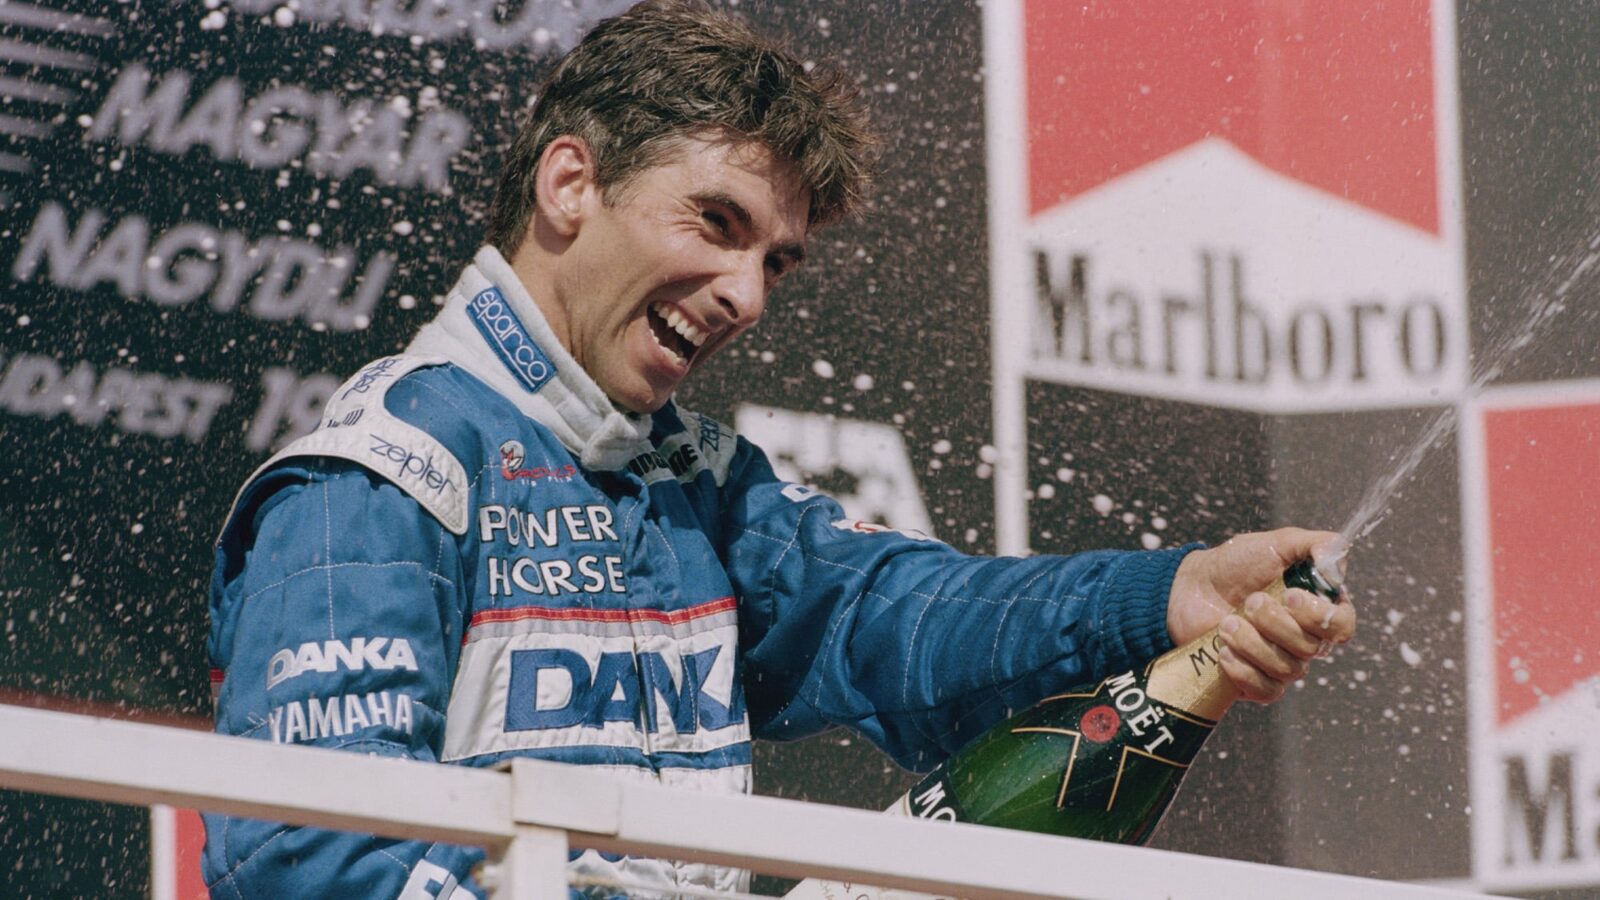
(536, 263)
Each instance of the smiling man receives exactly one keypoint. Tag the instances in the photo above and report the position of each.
(509, 541)
(644, 281)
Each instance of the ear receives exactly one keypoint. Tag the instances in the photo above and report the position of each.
(565, 184)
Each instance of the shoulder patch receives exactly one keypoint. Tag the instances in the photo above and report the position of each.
(357, 427)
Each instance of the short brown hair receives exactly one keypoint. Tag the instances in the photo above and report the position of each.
(666, 69)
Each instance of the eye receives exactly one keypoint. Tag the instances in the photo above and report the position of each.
(718, 222)
(780, 264)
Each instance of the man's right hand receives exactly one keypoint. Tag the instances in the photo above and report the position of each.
(1266, 643)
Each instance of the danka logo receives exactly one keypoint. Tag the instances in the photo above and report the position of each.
(559, 688)
(369, 376)
(410, 465)
(512, 457)
(496, 322)
(360, 653)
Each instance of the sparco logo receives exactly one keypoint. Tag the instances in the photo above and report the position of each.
(497, 323)
(410, 465)
(378, 653)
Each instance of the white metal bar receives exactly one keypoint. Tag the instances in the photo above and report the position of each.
(795, 839)
(162, 853)
(1010, 319)
(126, 762)
(527, 815)
(535, 865)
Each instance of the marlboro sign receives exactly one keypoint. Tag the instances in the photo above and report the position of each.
(1235, 203)
(1531, 463)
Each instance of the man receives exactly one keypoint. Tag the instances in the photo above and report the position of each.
(508, 541)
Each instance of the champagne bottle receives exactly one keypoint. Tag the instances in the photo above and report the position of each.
(1102, 761)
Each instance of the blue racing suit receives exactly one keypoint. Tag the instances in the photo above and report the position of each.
(476, 556)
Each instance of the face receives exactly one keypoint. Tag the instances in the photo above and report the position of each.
(677, 265)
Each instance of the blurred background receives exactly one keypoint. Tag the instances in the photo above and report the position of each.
(1135, 275)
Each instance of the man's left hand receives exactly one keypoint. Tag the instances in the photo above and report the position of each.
(1267, 643)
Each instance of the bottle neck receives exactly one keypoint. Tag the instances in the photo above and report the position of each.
(1190, 677)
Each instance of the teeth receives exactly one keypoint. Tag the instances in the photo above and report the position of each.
(680, 324)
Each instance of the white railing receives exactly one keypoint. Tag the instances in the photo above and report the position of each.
(527, 817)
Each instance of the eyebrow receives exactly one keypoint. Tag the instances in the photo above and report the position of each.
(795, 252)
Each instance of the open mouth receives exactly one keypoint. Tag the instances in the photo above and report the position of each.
(673, 332)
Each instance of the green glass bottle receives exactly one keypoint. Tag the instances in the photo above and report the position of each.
(1102, 761)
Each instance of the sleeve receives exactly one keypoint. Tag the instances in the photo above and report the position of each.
(915, 645)
(336, 618)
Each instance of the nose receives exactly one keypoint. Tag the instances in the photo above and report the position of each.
(742, 294)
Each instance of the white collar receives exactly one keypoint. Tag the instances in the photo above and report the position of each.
(569, 402)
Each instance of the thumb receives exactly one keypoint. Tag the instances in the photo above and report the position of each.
(1254, 560)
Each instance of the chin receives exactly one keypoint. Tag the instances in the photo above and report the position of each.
(646, 408)
(644, 403)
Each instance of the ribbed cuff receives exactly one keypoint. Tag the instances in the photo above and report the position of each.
(1130, 616)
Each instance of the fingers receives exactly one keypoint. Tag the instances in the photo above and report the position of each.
(1260, 669)
(1251, 683)
(1267, 644)
(1321, 617)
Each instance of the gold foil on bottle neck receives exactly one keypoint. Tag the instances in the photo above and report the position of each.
(1190, 678)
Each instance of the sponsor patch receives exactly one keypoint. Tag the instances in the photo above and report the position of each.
(559, 676)
(492, 316)
(408, 456)
(300, 721)
(513, 466)
(360, 653)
